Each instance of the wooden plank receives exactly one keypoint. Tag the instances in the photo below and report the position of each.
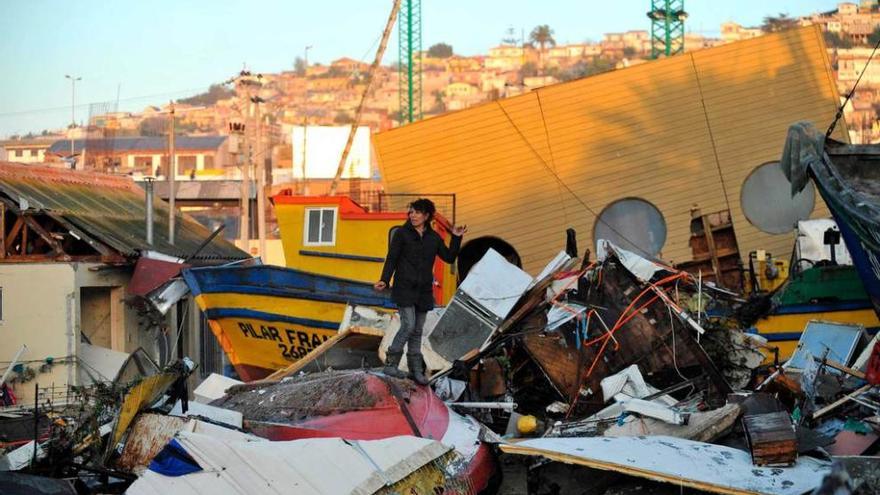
(834, 405)
(299, 364)
(713, 252)
(834, 364)
(43, 233)
(13, 233)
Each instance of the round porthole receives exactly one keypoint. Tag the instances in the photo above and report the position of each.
(633, 224)
(767, 202)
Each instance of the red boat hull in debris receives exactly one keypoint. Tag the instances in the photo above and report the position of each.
(387, 417)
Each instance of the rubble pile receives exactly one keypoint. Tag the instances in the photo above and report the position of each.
(593, 377)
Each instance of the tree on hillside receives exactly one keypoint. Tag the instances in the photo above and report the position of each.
(781, 22)
(586, 68)
(215, 93)
(299, 66)
(529, 69)
(874, 36)
(835, 41)
(439, 104)
(153, 126)
(542, 36)
(440, 50)
(342, 117)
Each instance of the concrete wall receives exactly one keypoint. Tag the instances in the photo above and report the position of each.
(324, 145)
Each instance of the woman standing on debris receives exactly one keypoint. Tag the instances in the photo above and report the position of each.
(411, 261)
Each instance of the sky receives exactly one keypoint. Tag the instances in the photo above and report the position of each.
(148, 52)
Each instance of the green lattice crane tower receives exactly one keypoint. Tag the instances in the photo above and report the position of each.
(409, 30)
(667, 27)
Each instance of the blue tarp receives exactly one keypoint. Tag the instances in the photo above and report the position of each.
(173, 460)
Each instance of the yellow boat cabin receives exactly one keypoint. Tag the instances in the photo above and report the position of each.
(335, 236)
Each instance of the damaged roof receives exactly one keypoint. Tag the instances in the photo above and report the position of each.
(109, 210)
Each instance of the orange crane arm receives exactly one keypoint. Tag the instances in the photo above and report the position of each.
(360, 109)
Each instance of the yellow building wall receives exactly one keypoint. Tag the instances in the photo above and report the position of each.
(39, 311)
(42, 307)
(681, 133)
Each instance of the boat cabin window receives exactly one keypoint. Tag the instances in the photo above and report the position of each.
(320, 227)
(767, 202)
(633, 224)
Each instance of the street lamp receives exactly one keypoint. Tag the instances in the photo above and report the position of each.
(73, 80)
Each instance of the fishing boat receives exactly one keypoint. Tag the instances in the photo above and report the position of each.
(267, 317)
(826, 293)
(819, 283)
(848, 178)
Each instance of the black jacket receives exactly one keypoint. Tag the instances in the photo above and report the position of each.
(411, 261)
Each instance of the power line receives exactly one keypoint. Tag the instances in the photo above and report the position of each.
(85, 105)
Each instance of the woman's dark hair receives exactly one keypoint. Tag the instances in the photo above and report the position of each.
(424, 205)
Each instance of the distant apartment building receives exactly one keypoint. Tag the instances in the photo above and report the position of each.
(637, 41)
(612, 45)
(535, 82)
(851, 21)
(731, 31)
(435, 80)
(505, 58)
(324, 84)
(462, 95)
(851, 62)
(433, 63)
(472, 77)
(457, 63)
(25, 150)
(568, 55)
(696, 41)
(347, 65)
(461, 90)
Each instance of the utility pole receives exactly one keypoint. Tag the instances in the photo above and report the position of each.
(172, 176)
(246, 186)
(73, 80)
(261, 180)
(305, 186)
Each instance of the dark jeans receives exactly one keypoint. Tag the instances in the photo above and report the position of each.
(410, 333)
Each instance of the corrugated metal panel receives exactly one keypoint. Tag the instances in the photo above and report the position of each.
(150, 433)
(138, 143)
(651, 131)
(110, 209)
(310, 466)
